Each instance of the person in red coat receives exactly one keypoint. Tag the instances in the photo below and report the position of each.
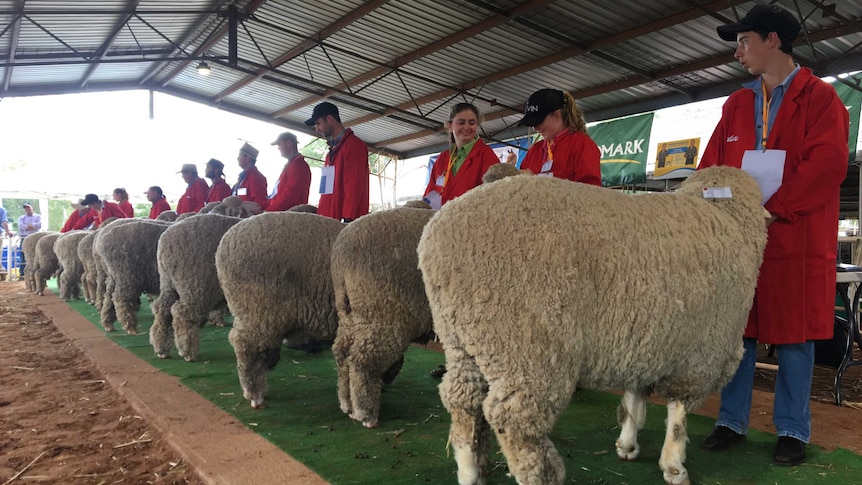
(293, 184)
(195, 195)
(82, 218)
(157, 197)
(786, 117)
(121, 197)
(251, 185)
(565, 151)
(461, 167)
(345, 174)
(102, 209)
(219, 189)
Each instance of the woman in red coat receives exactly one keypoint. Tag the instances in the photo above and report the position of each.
(565, 151)
(121, 197)
(795, 122)
(461, 167)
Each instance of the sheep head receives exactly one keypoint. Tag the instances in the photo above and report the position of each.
(500, 171)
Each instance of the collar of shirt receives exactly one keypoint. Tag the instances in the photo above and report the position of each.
(334, 142)
(775, 103)
(457, 158)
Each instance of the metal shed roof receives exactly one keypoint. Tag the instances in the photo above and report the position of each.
(394, 67)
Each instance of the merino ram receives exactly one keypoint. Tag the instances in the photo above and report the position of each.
(66, 249)
(275, 272)
(558, 285)
(381, 305)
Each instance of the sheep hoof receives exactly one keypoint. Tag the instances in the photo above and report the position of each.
(371, 424)
(132, 331)
(163, 355)
(627, 453)
(190, 358)
(110, 329)
(346, 408)
(257, 404)
(676, 476)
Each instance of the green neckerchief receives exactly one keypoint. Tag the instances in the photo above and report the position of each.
(457, 159)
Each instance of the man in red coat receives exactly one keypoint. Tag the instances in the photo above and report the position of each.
(292, 186)
(789, 119)
(155, 195)
(251, 185)
(219, 189)
(344, 181)
(196, 190)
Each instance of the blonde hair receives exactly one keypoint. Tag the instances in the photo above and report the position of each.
(573, 119)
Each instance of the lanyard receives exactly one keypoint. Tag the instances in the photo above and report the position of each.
(451, 163)
(550, 151)
(765, 125)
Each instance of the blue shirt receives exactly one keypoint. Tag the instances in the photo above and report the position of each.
(774, 104)
(2, 215)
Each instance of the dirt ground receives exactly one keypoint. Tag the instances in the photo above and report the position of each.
(63, 421)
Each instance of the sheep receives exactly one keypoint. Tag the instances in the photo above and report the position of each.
(46, 264)
(66, 249)
(94, 264)
(167, 216)
(381, 304)
(189, 287)
(235, 207)
(88, 274)
(559, 284)
(129, 254)
(275, 273)
(28, 247)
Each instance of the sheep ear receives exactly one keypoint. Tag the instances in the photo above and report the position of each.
(767, 214)
(252, 207)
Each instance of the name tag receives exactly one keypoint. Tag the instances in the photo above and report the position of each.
(241, 191)
(546, 167)
(545, 174)
(327, 179)
(767, 168)
(717, 193)
(440, 180)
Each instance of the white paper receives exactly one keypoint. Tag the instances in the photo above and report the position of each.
(433, 199)
(767, 168)
(546, 167)
(241, 191)
(327, 179)
(717, 193)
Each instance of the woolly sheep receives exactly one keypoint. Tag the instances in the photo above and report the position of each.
(92, 259)
(88, 275)
(189, 287)
(46, 264)
(545, 292)
(167, 216)
(381, 304)
(235, 207)
(275, 272)
(66, 249)
(28, 247)
(129, 254)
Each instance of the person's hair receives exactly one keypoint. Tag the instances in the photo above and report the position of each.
(457, 109)
(786, 45)
(122, 193)
(573, 119)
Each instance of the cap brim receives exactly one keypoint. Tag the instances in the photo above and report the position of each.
(728, 32)
(532, 119)
(310, 121)
(274, 143)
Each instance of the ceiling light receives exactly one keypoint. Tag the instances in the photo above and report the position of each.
(204, 69)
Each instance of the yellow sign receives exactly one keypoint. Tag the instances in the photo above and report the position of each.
(676, 159)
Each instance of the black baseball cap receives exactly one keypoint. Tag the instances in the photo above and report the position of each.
(763, 18)
(91, 199)
(321, 110)
(541, 103)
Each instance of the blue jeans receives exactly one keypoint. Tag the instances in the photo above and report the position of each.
(791, 413)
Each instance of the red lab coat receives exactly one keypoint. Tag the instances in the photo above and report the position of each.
(159, 206)
(194, 198)
(467, 177)
(255, 185)
(576, 158)
(293, 185)
(349, 197)
(795, 296)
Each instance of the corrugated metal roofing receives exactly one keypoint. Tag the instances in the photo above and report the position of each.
(378, 59)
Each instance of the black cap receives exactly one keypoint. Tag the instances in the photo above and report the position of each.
(91, 199)
(321, 110)
(541, 103)
(27, 204)
(216, 163)
(763, 18)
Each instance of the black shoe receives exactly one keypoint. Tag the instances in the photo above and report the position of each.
(721, 438)
(438, 372)
(789, 451)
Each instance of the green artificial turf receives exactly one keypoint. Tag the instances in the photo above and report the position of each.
(302, 418)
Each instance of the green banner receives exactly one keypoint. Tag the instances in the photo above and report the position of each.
(852, 99)
(624, 143)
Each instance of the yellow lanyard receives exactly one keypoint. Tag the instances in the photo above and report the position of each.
(550, 151)
(765, 125)
(451, 163)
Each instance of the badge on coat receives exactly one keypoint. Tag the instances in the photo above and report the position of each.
(327, 179)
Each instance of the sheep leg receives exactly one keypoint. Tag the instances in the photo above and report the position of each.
(107, 313)
(187, 330)
(365, 386)
(673, 451)
(216, 317)
(522, 417)
(127, 307)
(631, 415)
(161, 333)
(256, 353)
(85, 287)
(341, 352)
(41, 280)
(65, 290)
(462, 391)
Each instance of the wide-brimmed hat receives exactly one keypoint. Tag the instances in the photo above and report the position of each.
(91, 199)
(216, 163)
(189, 167)
(249, 150)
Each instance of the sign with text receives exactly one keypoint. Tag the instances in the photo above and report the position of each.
(676, 159)
(623, 144)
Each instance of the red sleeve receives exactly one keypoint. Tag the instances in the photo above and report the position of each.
(218, 191)
(256, 188)
(127, 208)
(534, 158)
(354, 180)
(70, 222)
(293, 186)
(85, 220)
(436, 171)
(587, 161)
(199, 194)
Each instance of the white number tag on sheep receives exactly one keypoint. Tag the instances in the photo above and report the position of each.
(543, 295)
